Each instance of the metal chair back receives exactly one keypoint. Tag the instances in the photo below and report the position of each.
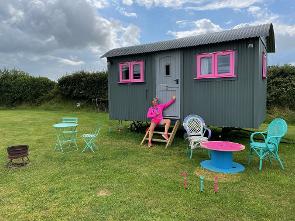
(69, 120)
(194, 125)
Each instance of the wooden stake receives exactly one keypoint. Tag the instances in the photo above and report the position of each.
(184, 174)
(216, 184)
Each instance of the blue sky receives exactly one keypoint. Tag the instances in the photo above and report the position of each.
(54, 37)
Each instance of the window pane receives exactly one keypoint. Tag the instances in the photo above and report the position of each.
(136, 71)
(223, 64)
(206, 66)
(125, 72)
(167, 67)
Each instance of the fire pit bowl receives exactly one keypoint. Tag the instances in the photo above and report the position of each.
(18, 152)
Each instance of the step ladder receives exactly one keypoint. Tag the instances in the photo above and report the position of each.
(171, 135)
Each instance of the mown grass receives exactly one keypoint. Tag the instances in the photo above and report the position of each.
(144, 184)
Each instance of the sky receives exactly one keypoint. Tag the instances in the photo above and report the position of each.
(54, 37)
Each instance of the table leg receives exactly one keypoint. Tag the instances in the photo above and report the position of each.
(222, 159)
(222, 162)
(59, 143)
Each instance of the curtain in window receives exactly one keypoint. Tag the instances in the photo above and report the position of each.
(206, 66)
(125, 72)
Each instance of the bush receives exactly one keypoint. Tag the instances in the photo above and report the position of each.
(18, 87)
(281, 86)
(84, 86)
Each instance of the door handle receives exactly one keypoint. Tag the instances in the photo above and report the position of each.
(176, 81)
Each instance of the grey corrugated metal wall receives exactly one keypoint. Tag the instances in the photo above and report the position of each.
(225, 102)
(131, 101)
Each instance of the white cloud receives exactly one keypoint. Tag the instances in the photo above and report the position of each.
(122, 10)
(127, 2)
(70, 62)
(262, 15)
(284, 33)
(201, 26)
(129, 14)
(98, 3)
(221, 4)
(194, 4)
(31, 29)
(159, 3)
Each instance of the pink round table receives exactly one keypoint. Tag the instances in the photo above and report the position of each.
(222, 156)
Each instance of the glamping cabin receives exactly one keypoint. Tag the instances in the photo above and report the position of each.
(219, 76)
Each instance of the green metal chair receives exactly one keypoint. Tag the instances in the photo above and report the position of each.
(270, 147)
(69, 120)
(90, 140)
(70, 135)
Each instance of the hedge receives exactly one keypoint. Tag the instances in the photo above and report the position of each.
(84, 86)
(18, 87)
(281, 86)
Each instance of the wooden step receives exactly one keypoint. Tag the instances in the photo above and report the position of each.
(158, 132)
(157, 140)
(171, 135)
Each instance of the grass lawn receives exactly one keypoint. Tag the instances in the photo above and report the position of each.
(143, 184)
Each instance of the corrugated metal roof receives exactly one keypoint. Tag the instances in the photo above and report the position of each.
(265, 30)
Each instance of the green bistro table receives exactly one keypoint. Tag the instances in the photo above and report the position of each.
(66, 133)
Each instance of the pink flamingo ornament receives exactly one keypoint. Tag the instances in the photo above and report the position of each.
(184, 174)
(216, 184)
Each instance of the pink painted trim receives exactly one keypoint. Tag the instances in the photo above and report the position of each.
(198, 62)
(264, 65)
(130, 66)
(214, 56)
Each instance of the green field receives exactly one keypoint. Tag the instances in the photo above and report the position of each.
(141, 183)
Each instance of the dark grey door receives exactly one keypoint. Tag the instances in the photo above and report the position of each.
(168, 81)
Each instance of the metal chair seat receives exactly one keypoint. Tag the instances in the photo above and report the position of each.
(88, 135)
(89, 140)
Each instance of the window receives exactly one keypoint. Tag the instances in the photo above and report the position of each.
(264, 65)
(205, 67)
(223, 64)
(131, 72)
(215, 65)
(136, 71)
(125, 76)
(167, 70)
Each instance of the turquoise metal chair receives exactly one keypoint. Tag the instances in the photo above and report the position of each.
(66, 133)
(90, 140)
(269, 148)
(70, 135)
(69, 120)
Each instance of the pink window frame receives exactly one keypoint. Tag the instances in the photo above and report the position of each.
(121, 65)
(214, 56)
(198, 59)
(231, 72)
(264, 65)
(141, 71)
(130, 65)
